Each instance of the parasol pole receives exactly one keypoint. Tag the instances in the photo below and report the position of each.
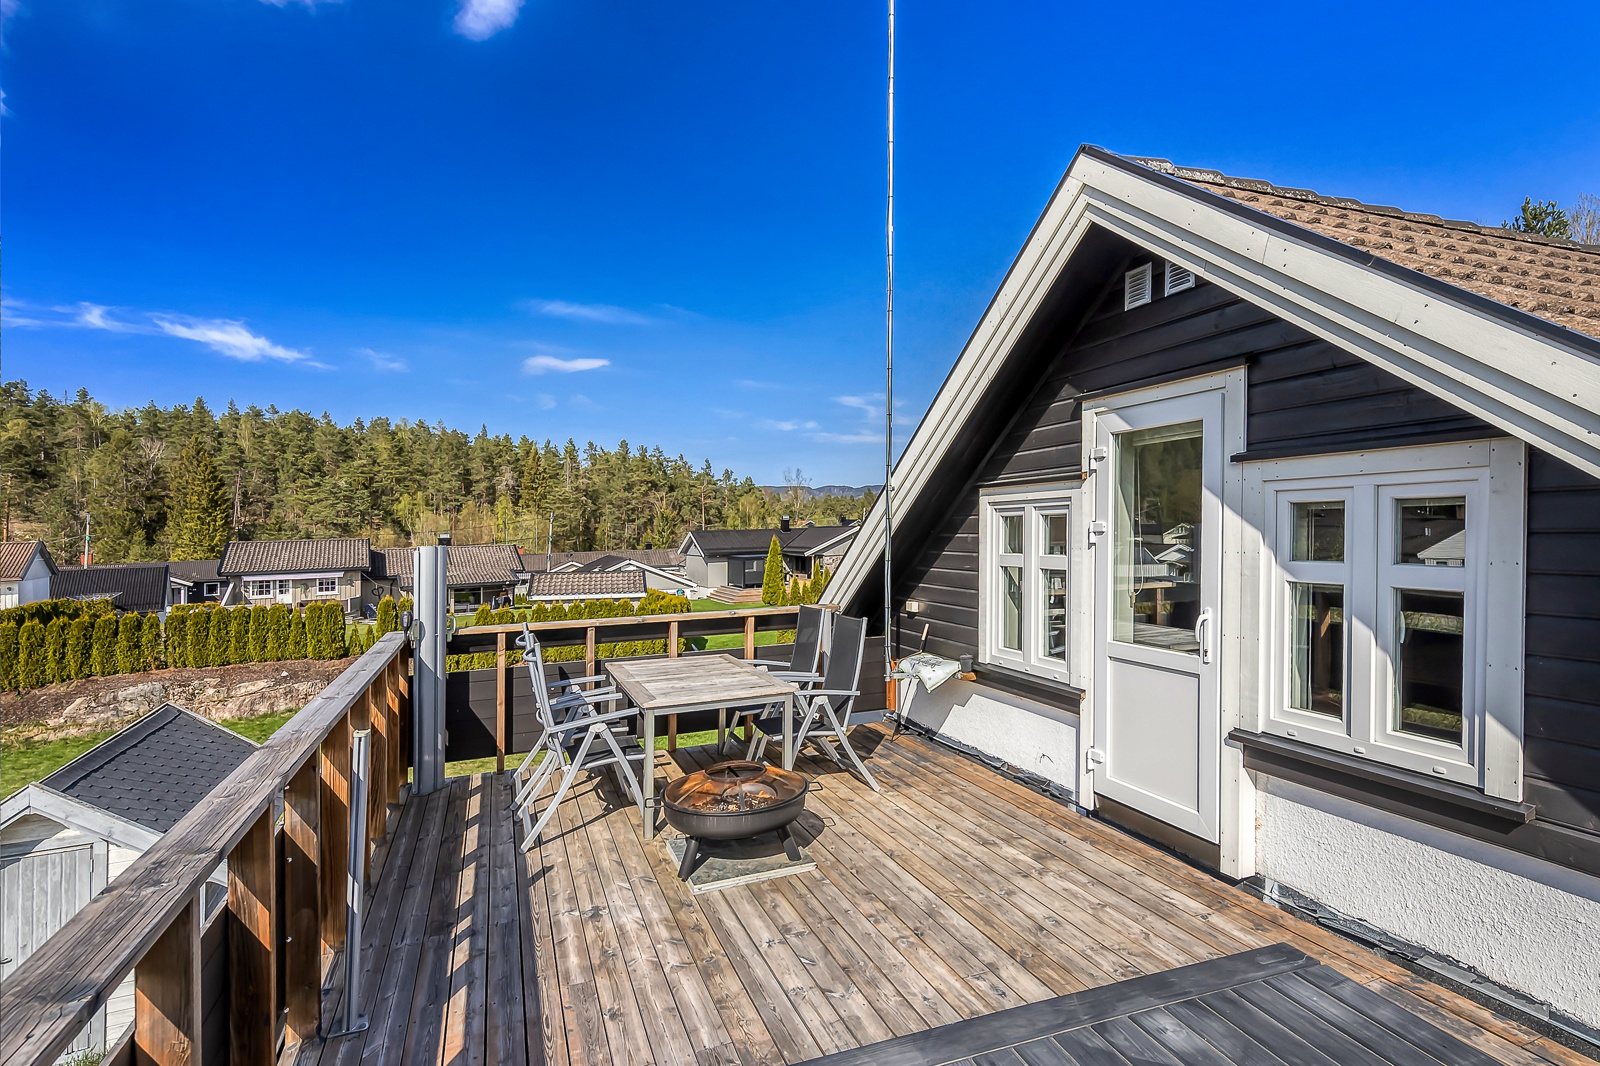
(888, 392)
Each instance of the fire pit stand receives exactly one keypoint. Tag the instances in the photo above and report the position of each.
(731, 801)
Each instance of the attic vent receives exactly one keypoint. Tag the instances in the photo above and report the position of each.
(1136, 288)
(1178, 279)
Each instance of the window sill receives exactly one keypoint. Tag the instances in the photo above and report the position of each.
(1313, 766)
(1044, 690)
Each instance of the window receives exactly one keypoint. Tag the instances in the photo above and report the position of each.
(1157, 545)
(259, 590)
(327, 586)
(1025, 584)
(1379, 608)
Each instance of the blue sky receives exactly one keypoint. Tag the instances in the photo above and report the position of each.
(664, 221)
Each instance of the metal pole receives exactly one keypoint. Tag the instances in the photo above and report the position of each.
(86, 522)
(888, 393)
(355, 887)
(428, 713)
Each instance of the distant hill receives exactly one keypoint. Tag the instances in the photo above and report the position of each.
(815, 491)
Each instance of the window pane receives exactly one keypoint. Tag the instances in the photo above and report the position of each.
(1011, 607)
(1316, 660)
(1157, 537)
(1319, 532)
(1055, 614)
(1055, 534)
(1433, 532)
(1431, 628)
(1011, 534)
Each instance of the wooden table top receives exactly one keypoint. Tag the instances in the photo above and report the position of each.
(700, 680)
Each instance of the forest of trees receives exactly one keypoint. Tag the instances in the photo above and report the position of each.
(178, 482)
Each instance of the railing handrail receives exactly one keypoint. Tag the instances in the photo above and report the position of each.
(632, 620)
(55, 992)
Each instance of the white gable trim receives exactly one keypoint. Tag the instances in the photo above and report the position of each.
(1534, 387)
(75, 814)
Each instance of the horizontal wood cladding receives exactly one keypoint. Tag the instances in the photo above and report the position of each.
(1561, 709)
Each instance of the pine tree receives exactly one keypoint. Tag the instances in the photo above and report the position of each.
(275, 643)
(55, 651)
(8, 656)
(79, 634)
(199, 522)
(177, 642)
(31, 670)
(772, 580)
(388, 616)
(150, 642)
(199, 638)
(129, 630)
(103, 649)
(295, 646)
(260, 632)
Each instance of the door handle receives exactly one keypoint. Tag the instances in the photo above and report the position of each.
(1202, 634)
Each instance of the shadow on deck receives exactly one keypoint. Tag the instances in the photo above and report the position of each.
(952, 894)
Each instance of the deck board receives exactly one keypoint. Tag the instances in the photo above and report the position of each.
(953, 894)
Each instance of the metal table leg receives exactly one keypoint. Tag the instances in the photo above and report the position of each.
(649, 782)
(788, 732)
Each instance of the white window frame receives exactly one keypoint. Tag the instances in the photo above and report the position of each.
(334, 591)
(1035, 504)
(1490, 475)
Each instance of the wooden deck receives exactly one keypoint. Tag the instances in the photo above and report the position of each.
(952, 894)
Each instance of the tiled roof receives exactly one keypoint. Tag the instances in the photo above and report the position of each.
(295, 556)
(138, 587)
(155, 770)
(543, 586)
(17, 555)
(1554, 279)
(194, 569)
(465, 564)
(657, 557)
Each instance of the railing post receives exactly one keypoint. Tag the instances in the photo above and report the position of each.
(672, 640)
(166, 994)
(500, 727)
(376, 810)
(588, 653)
(335, 836)
(302, 903)
(750, 637)
(400, 702)
(252, 978)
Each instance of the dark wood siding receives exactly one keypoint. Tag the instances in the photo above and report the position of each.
(1561, 708)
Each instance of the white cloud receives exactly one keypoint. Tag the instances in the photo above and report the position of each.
(869, 406)
(606, 313)
(385, 363)
(751, 383)
(229, 337)
(787, 426)
(478, 20)
(847, 438)
(546, 401)
(541, 364)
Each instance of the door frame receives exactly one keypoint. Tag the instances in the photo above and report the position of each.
(1235, 794)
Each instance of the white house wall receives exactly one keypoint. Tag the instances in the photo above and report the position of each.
(1030, 736)
(1524, 923)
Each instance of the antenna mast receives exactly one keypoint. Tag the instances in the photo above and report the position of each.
(888, 391)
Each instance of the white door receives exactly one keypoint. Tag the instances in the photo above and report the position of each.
(1158, 575)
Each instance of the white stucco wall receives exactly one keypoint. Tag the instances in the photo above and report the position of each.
(1522, 922)
(1030, 736)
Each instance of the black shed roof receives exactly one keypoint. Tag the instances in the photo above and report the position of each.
(155, 770)
(140, 587)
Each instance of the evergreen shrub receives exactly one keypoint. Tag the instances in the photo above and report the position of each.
(772, 577)
(275, 638)
(388, 616)
(103, 647)
(199, 638)
(80, 634)
(31, 670)
(239, 636)
(150, 642)
(8, 656)
(261, 633)
(129, 631)
(221, 637)
(177, 643)
(295, 646)
(55, 651)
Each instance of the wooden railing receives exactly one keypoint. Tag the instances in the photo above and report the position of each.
(148, 920)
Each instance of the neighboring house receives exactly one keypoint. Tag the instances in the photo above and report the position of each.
(564, 588)
(137, 587)
(557, 562)
(195, 581)
(25, 572)
(297, 572)
(738, 557)
(655, 578)
(63, 839)
(1373, 674)
(474, 573)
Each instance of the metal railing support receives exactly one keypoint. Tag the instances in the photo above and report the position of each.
(353, 1020)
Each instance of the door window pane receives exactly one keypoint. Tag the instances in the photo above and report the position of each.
(1011, 607)
(1158, 537)
(1433, 532)
(1428, 670)
(1055, 534)
(1055, 614)
(1319, 532)
(1011, 534)
(1316, 646)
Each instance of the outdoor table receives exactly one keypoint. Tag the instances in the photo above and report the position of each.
(698, 683)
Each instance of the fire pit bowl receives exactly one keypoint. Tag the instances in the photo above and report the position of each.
(731, 801)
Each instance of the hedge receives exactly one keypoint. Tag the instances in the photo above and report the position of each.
(46, 611)
(103, 647)
(654, 602)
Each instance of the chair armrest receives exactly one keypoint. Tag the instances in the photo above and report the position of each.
(766, 662)
(588, 697)
(579, 697)
(794, 675)
(575, 681)
(587, 720)
(827, 692)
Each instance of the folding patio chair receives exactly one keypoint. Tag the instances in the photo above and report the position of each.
(826, 713)
(570, 724)
(810, 631)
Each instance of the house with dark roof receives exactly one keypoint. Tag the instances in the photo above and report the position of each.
(660, 558)
(298, 572)
(25, 572)
(1269, 521)
(194, 581)
(140, 588)
(737, 558)
(474, 573)
(64, 838)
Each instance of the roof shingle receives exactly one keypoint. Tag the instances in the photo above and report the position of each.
(295, 556)
(17, 555)
(465, 564)
(614, 584)
(140, 587)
